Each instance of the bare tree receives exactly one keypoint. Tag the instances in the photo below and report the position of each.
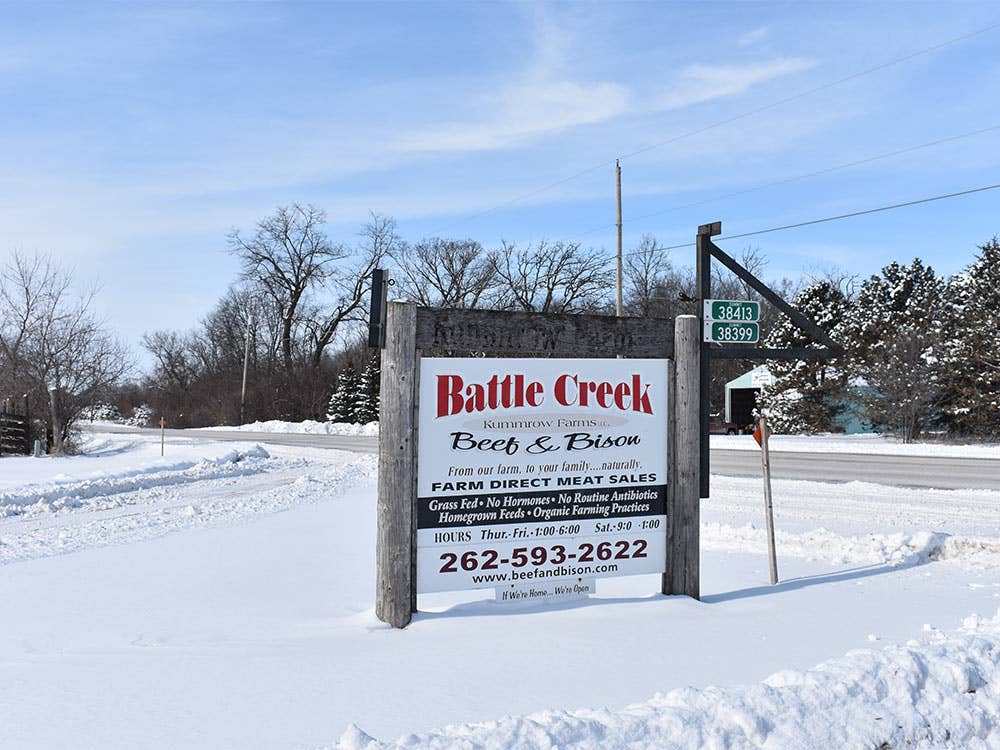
(349, 286)
(644, 267)
(446, 273)
(287, 255)
(171, 350)
(298, 295)
(553, 277)
(51, 340)
(726, 285)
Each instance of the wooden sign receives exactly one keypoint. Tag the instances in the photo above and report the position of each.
(622, 491)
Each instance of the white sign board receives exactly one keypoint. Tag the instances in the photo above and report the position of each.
(557, 590)
(533, 471)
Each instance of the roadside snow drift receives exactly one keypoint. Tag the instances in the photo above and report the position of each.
(101, 491)
(307, 427)
(942, 692)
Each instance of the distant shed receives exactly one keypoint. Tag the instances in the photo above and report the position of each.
(741, 400)
(741, 395)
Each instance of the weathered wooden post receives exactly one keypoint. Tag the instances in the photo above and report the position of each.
(683, 516)
(395, 545)
(765, 458)
(27, 424)
(57, 437)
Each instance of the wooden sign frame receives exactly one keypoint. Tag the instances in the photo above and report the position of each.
(411, 331)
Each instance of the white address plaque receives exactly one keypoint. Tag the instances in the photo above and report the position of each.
(533, 471)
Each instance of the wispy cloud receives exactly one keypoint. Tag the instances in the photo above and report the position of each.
(545, 99)
(752, 37)
(524, 111)
(702, 83)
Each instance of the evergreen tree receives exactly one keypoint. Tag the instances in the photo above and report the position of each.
(345, 395)
(101, 413)
(970, 347)
(892, 333)
(142, 415)
(807, 395)
(367, 403)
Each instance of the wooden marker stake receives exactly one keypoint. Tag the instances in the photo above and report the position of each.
(761, 436)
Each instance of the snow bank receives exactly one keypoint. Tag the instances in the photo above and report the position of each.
(238, 485)
(866, 443)
(942, 692)
(855, 507)
(102, 490)
(308, 427)
(901, 548)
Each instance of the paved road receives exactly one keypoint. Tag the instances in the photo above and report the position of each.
(939, 472)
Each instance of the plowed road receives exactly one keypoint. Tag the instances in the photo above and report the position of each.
(940, 472)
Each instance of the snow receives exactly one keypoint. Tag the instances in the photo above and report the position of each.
(854, 507)
(309, 426)
(189, 603)
(869, 443)
(123, 490)
(942, 691)
(107, 457)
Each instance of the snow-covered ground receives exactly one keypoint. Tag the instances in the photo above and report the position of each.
(865, 443)
(222, 597)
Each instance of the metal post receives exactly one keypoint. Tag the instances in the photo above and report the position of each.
(769, 513)
(246, 359)
(377, 310)
(703, 244)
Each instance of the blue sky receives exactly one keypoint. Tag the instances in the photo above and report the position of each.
(134, 137)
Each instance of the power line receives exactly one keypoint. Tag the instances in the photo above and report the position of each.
(817, 89)
(836, 218)
(720, 123)
(793, 178)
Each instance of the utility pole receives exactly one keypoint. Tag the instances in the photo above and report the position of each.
(618, 190)
(246, 359)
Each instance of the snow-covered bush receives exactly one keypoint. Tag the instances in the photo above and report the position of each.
(141, 416)
(343, 401)
(367, 402)
(101, 413)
